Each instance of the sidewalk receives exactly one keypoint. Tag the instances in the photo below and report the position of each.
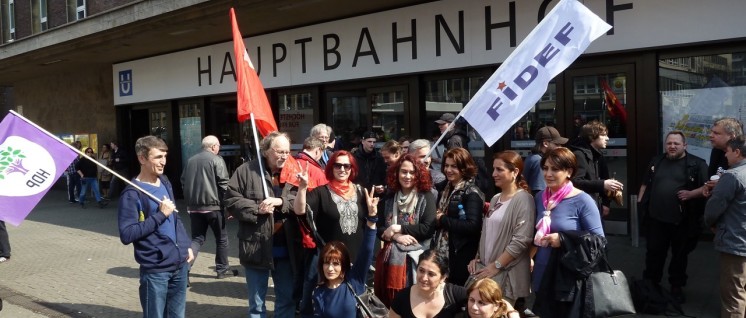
(68, 262)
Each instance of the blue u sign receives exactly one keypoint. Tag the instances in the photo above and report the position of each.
(125, 83)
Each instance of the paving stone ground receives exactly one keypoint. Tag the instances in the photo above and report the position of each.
(68, 262)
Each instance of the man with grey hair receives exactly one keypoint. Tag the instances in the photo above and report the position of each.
(267, 243)
(204, 181)
(420, 148)
(322, 132)
(722, 131)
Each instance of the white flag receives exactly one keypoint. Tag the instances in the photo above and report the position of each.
(523, 78)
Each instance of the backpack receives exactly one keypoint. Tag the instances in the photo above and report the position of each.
(651, 298)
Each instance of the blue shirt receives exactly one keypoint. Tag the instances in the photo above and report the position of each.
(532, 173)
(578, 213)
(340, 302)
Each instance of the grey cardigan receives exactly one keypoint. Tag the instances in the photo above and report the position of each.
(516, 234)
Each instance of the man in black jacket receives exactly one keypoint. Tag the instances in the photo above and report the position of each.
(593, 174)
(204, 182)
(673, 219)
(371, 167)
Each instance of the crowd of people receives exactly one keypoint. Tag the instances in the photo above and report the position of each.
(314, 222)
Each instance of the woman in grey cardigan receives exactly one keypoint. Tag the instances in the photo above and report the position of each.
(507, 230)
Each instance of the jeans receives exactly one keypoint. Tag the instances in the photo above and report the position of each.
(215, 221)
(164, 294)
(4, 242)
(73, 186)
(93, 183)
(257, 282)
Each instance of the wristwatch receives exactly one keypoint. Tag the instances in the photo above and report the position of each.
(498, 265)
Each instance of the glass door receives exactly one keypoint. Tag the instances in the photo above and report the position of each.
(605, 95)
(381, 110)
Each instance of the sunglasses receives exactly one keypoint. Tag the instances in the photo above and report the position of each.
(339, 166)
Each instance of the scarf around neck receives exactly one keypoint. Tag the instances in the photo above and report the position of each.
(550, 201)
(344, 189)
(404, 204)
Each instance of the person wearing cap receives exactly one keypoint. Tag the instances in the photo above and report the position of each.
(371, 167)
(456, 137)
(592, 175)
(547, 138)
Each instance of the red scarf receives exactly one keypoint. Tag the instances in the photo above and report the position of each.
(344, 189)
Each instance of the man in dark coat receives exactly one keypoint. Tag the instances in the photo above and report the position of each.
(593, 174)
(371, 167)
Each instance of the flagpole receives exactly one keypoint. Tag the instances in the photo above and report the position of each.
(87, 157)
(258, 155)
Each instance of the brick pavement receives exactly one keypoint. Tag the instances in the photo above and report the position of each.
(68, 262)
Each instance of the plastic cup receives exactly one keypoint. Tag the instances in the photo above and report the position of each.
(715, 178)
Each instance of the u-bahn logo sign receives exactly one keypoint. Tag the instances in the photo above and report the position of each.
(125, 83)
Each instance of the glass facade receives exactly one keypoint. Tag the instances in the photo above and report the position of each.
(296, 115)
(695, 91)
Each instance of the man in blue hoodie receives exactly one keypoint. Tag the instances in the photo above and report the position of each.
(162, 245)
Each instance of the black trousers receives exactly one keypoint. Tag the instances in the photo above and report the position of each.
(215, 221)
(4, 242)
(661, 237)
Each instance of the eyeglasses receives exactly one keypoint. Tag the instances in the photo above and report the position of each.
(281, 153)
(339, 166)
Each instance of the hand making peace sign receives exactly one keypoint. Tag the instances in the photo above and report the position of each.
(372, 202)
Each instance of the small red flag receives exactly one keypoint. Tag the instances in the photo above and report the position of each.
(251, 96)
(613, 105)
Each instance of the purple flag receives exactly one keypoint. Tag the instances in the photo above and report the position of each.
(30, 163)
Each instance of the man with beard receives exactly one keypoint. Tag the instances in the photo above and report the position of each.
(266, 243)
(673, 218)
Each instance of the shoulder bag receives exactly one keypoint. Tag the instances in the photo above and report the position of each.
(610, 290)
(368, 304)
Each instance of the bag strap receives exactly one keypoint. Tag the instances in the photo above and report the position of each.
(360, 303)
(312, 225)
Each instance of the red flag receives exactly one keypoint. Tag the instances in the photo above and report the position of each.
(613, 105)
(251, 96)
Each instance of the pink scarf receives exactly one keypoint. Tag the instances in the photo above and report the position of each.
(550, 201)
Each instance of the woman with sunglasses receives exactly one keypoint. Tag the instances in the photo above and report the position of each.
(407, 226)
(88, 172)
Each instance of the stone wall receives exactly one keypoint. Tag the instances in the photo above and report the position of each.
(71, 103)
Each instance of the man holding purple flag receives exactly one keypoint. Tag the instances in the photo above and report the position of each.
(31, 161)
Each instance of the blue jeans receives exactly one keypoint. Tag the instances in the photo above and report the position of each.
(73, 186)
(93, 183)
(164, 294)
(257, 281)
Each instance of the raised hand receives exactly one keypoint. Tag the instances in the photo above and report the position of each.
(372, 201)
(303, 175)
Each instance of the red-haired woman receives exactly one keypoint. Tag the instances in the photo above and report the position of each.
(407, 226)
(459, 213)
(508, 229)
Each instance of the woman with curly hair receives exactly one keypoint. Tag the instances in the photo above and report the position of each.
(407, 226)
(459, 213)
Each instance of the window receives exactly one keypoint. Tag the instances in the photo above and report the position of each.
(43, 14)
(296, 114)
(75, 10)
(9, 21)
(694, 91)
(39, 16)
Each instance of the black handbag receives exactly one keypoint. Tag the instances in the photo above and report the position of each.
(368, 304)
(611, 296)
